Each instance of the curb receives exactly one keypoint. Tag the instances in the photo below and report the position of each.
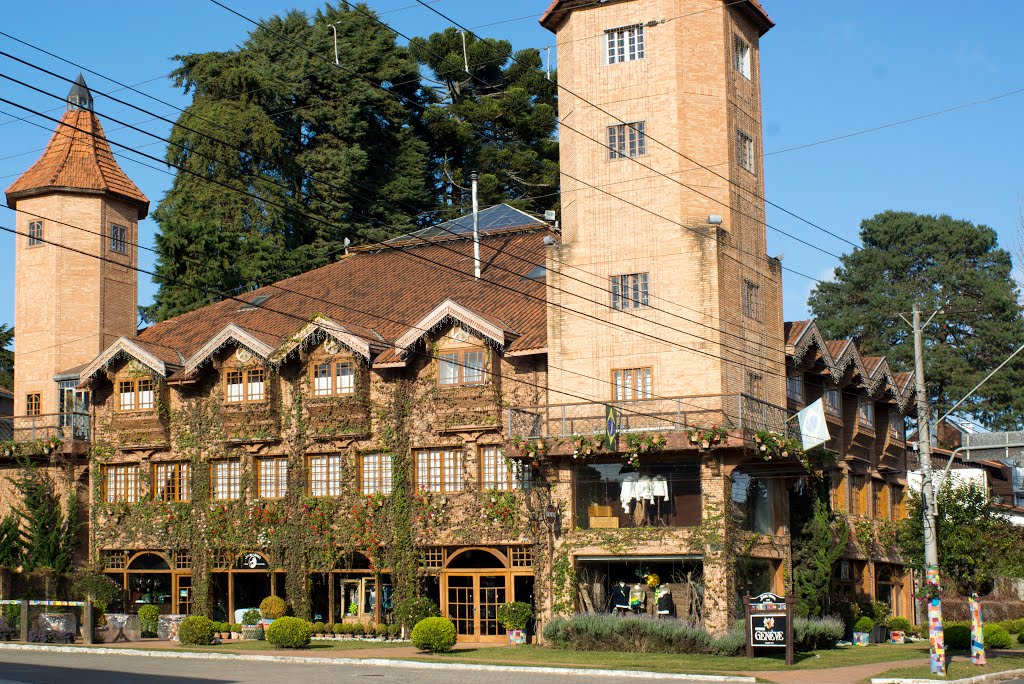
(978, 679)
(384, 662)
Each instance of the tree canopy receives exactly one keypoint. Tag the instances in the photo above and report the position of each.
(939, 263)
(285, 155)
(6, 357)
(49, 533)
(977, 544)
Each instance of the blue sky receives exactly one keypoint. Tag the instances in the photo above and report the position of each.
(828, 69)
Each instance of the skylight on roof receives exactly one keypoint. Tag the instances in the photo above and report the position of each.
(255, 303)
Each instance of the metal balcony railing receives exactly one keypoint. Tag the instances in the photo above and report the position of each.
(66, 427)
(647, 415)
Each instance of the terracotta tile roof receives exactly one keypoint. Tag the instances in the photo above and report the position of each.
(872, 362)
(837, 347)
(559, 9)
(379, 295)
(794, 329)
(78, 157)
(4, 392)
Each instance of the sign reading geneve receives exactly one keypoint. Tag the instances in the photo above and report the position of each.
(768, 630)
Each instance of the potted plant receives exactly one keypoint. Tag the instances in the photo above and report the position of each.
(353, 609)
(899, 628)
(251, 627)
(514, 617)
(319, 628)
(862, 631)
(339, 630)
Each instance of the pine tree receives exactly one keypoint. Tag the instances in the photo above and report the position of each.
(939, 263)
(10, 542)
(498, 119)
(49, 533)
(322, 153)
(817, 546)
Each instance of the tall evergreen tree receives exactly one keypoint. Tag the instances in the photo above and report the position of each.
(49, 532)
(10, 542)
(819, 542)
(939, 263)
(6, 357)
(304, 138)
(498, 118)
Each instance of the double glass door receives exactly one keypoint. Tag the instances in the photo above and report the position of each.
(472, 601)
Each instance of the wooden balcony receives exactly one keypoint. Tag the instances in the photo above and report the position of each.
(462, 408)
(338, 417)
(138, 429)
(251, 422)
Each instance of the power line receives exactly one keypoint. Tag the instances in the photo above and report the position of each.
(667, 147)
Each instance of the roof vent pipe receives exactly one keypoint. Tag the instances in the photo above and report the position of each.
(476, 234)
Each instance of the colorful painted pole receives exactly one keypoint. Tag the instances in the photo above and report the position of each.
(935, 636)
(977, 632)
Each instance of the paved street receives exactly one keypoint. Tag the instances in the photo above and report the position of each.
(60, 668)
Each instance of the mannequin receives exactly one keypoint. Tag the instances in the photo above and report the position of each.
(620, 596)
(637, 597)
(663, 599)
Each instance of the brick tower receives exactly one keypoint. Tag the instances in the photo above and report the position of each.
(681, 246)
(70, 305)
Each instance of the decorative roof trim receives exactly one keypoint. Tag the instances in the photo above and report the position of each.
(324, 325)
(230, 333)
(449, 309)
(126, 347)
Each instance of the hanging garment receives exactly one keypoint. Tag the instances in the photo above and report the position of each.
(664, 600)
(644, 490)
(659, 487)
(628, 491)
(620, 596)
(637, 595)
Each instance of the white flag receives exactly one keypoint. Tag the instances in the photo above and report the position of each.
(813, 428)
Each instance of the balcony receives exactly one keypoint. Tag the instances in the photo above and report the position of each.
(45, 433)
(255, 422)
(471, 407)
(663, 415)
(338, 417)
(138, 429)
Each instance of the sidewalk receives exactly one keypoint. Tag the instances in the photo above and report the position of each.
(852, 674)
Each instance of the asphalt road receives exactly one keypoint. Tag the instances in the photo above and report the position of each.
(19, 667)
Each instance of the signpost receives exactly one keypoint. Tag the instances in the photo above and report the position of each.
(769, 623)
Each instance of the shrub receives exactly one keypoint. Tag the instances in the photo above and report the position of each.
(338, 628)
(849, 613)
(730, 643)
(864, 624)
(395, 630)
(236, 628)
(958, 637)
(382, 631)
(409, 613)
(815, 634)
(919, 631)
(48, 636)
(554, 633)
(434, 634)
(1020, 638)
(196, 630)
(996, 636)
(356, 629)
(1013, 626)
(288, 632)
(319, 628)
(899, 624)
(251, 617)
(149, 616)
(515, 615)
(273, 607)
(7, 633)
(588, 632)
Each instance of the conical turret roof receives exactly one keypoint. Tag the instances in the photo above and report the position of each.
(78, 159)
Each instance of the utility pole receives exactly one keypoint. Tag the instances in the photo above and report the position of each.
(928, 506)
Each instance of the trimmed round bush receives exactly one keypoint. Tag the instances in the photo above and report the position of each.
(410, 612)
(251, 617)
(356, 629)
(288, 632)
(338, 628)
(236, 628)
(996, 636)
(273, 607)
(319, 628)
(958, 637)
(1015, 626)
(864, 624)
(1020, 638)
(899, 624)
(149, 616)
(394, 630)
(434, 634)
(196, 630)
(381, 631)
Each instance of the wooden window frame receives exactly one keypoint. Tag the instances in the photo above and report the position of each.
(278, 487)
(462, 365)
(245, 375)
(882, 503)
(129, 491)
(334, 478)
(333, 366)
(233, 483)
(630, 291)
(798, 379)
(451, 474)
(831, 410)
(648, 391)
(33, 404)
(865, 419)
(840, 489)
(118, 238)
(897, 425)
(35, 233)
(136, 394)
(180, 474)
(516, 474)
(382, 474)
(859, 493)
